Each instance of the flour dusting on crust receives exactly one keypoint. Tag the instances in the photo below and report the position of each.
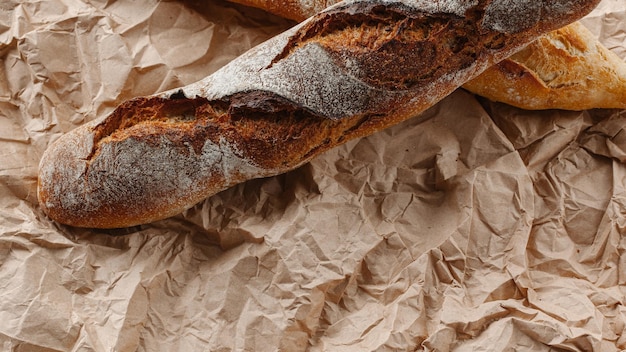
(125, 175)
(456, 7)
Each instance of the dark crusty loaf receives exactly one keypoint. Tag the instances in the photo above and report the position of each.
(351, 70)
(567, 68)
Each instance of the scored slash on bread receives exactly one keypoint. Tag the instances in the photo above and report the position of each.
(567, 68)
(353, 69)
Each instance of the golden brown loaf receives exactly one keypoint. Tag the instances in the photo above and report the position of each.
(349, 71)
(565, 69)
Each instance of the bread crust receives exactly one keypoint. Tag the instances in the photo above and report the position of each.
(318, 85)
(297, 10)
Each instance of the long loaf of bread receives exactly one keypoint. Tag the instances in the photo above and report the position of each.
(351, 70)
(567, 68)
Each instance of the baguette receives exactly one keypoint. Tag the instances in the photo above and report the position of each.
(567, 68)
(349, 71)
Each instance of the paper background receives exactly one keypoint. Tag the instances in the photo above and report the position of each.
(475, 226)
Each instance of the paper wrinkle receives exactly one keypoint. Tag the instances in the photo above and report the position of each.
(183, 23)
(473, 226)
(607, 22)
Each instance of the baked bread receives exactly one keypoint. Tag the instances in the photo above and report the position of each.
(565, 69)
(349, 71)
(297, 10)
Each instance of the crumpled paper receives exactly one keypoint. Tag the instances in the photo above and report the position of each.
(474, 226)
